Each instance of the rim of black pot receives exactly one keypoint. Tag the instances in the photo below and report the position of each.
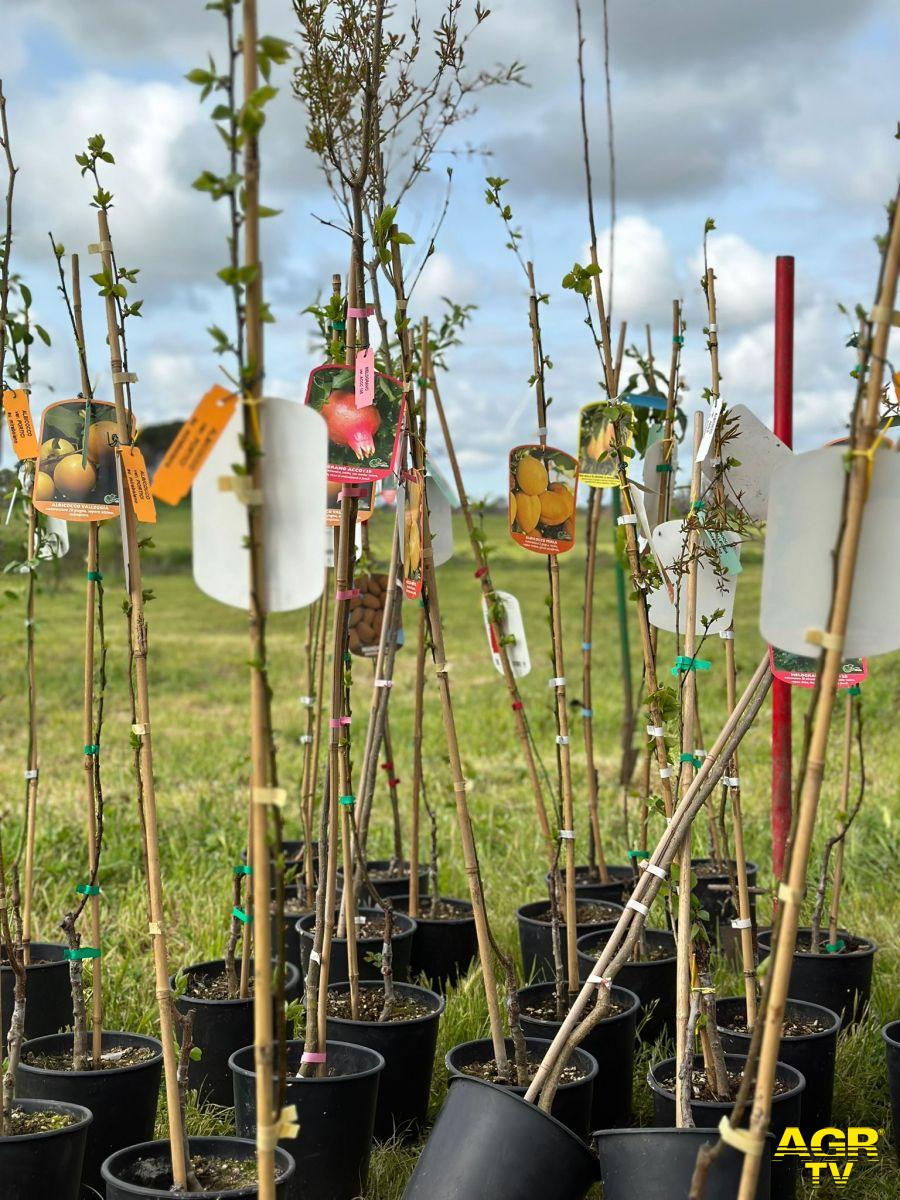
(522, 915)
(370, 984)
(143, 1038)
(290, 970)
(465, 919)
(606, 934)
(750, 866)
(788, 1037)
(376, 864)
(163, 1144)
(511, 1096)
(542, 1045)
(375, 1068)
(635, 1004)
(731, 1060)
(764, 938)
(377, 940)
(639, 1131)
(892, 1038)
(624, 873)
(84, 1116)
(40, 966)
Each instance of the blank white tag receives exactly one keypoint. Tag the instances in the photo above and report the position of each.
(803, 519)
(294, 466)
(517, 652)
(759, 452)
(713, 592)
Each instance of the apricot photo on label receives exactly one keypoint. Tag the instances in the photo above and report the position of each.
(543, 485)
(75, 472)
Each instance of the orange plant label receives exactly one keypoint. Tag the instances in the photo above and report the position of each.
(193, 442)
(134, 471)
(21, 427)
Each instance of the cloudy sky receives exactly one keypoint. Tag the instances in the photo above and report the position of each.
(775, 119)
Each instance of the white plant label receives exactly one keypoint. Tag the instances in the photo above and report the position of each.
(759, 453)
(709, 428)
(440, 519)
(715, 593)
(803, 521)
(293, 484)
(513, 626)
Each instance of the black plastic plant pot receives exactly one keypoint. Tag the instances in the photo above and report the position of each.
(489, 1142)
(891, 1035)
(49, 1007)
(786, 1107)
(442, 949)
(588, 885)
(220, 1028)
(637, 1163)
(536, 937)
(368, 950)
(652, 981)
(574, 1097)
(291, 937)
(611, 1043)
(336, 1114)
(719, 904)
(34, 1165)
(122, 1099)
(407, 1048)
(146, 1170)
(812, 1054)
(397, 885)
(841, 982)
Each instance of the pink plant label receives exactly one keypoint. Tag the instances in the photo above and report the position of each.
(364, 389)
(363, 442)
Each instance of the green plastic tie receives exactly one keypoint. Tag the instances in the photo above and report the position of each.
(685, 663)
(632, 854)
(835, 947)
(245, 917)
(92, 750)
(88, 889)
(694, 759)
(95, 576)
(81, 952)
(854, 690)
(698, 505)
(348, 800)
(678, 340)
(242, 869)
(338, 324)
(422, 381)
(663, 468)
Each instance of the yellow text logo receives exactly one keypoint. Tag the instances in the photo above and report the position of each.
(830, 1153)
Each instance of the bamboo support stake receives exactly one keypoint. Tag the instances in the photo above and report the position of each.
(483, 574)
(438, 650)
(865, 431)
(837, 881)
(595, 506)
(142, 707)
(688, 695)
(425, 371)
(623, 938)
(261, 745)
(31, 776)
(90, 799)
(563, 755)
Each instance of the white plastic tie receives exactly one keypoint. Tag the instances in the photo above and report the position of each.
(567, 835)
(727, 635)
(557, 681)
(645, 865)
(656, 731)
(31, 774)
(600, 981)
(712, 328)
(742, 923)
(562, 739)
(627, 519)
(665, 772)
(307, 701)
(732, 781)
(384, 683)
(305, 739)
(315, 956)
(638, 907)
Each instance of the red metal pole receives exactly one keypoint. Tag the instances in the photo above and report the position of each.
(784, 428)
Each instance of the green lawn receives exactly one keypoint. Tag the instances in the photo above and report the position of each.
(199, 695)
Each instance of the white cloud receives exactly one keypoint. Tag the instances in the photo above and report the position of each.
(645, 281)
(744, 279)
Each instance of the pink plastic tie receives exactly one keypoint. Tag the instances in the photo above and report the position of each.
(359, 314)
(313, 1056)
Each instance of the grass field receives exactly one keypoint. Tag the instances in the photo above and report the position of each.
(198, 654)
